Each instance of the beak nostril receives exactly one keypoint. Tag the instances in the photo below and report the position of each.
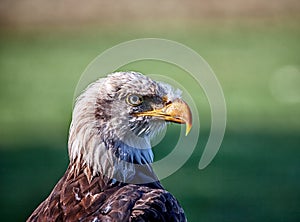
(168, 103)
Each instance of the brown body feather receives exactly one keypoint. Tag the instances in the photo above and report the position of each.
(74, 198)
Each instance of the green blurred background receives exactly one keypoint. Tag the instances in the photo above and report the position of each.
(252, 46)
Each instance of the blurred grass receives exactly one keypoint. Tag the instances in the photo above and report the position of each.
(256, 174)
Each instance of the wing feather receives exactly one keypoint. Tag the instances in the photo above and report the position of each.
(157, 205)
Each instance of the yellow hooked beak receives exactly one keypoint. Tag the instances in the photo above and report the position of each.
(177, 111)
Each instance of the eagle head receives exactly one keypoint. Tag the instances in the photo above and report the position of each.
(114, 120)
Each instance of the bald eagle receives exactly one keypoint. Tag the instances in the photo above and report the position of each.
(109, 177)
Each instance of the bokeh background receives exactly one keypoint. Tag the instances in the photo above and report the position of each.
(253, 47)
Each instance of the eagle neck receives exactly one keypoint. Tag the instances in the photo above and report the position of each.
(131, 164)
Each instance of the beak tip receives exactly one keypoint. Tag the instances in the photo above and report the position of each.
(188, 128)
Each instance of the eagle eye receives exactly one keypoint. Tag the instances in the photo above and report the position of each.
(134, 100)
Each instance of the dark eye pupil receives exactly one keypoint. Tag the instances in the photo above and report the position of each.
(135, 99)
